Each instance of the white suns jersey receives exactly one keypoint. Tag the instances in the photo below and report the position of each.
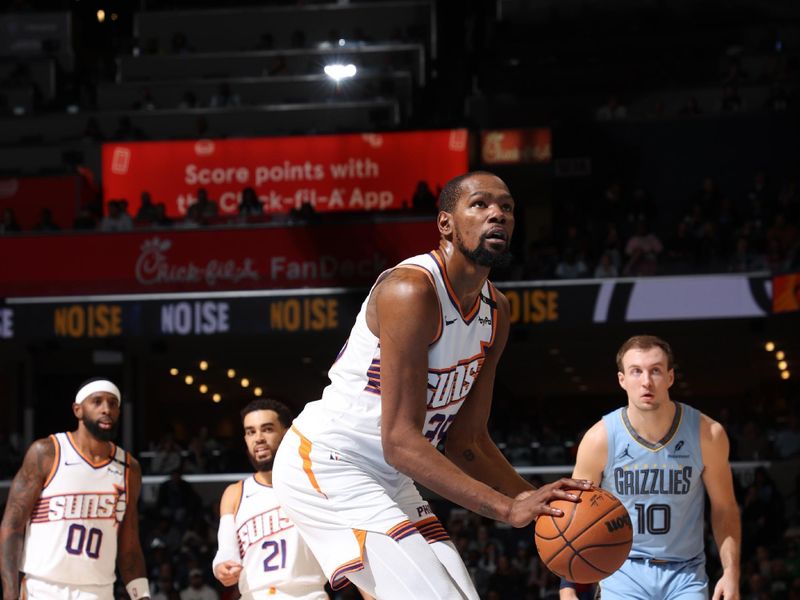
(276, 561)
(348, 417)
(71, 537)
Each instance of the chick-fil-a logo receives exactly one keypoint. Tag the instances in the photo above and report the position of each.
(153, 267)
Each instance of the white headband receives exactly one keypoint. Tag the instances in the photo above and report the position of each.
(101, 385)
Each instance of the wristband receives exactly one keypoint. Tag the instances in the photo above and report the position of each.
(565, 584)
(138, 588)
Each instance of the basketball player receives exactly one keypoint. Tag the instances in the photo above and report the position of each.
(71, 511)
(660, 458)
(258, 546)
(419, 363)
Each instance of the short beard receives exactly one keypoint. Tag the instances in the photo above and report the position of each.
(263, 466)
(483, 257)
(104, 435)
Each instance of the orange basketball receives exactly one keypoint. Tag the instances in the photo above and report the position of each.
(590, 541)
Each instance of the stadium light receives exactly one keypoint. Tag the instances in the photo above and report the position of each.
(338, 71)
(231, 373)
(216, 398)
(258, 391)
(769, 346)
(785, 375)
(245, 382)
(189, 380)
(780, 355)
(101, 15)
(782, 365)
(173, 371)
(203, 365)
(203, 388)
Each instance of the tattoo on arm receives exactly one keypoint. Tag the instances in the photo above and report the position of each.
(487, 511)
(25, 491)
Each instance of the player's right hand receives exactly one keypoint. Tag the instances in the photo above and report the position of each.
(228, 572)
(528, 506)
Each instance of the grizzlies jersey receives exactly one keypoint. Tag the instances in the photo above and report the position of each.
(660, 484)
(348, 418)
(71, 537)
(275, 560)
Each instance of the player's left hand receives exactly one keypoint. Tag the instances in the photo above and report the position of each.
(228, 572)
(727, 588)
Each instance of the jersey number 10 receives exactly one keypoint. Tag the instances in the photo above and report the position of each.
(653, 519)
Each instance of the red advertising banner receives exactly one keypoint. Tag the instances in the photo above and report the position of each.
(786, 293)
(357, 172)
(27, 196)
(515, 146)
(195, 260)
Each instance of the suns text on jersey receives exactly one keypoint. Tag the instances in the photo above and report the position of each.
(262, 526)
(446, 386)
(79, 506)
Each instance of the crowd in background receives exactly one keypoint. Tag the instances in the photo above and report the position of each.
(622, 232)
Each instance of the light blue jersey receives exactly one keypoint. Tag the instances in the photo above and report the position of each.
(660, 484)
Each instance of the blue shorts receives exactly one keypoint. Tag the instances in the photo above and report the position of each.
(642, 579)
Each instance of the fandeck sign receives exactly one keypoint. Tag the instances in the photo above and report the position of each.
(358, 172)
(339, 254)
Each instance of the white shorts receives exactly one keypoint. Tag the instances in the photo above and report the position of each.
(276, 594)
(334, 501)
(33, 588)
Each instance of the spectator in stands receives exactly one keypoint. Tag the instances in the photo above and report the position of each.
(787, 438)
(177, 499)
(250, 206)
(225, 98)
(208, 208)
(744, 259)
(680, 249)
(571, 266)
(146, 101)
(84, 220)
(9, 223)
(147, 213)
(423, 200)
(198, 589)
(167, 455)
(46, 222)
(778, 100)
(117, 218)
(606, 267)
(161, 218)
(192, 220)
(165, 586)
(612, 110)
(752, 443)
(642, 250)
(731, 100)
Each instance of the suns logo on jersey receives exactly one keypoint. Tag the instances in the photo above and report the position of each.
(446, 386)
(70, 507)
(262, 526)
